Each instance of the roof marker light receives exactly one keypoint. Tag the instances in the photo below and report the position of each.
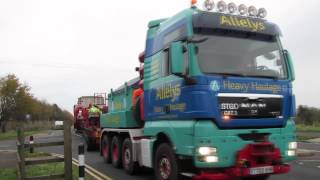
(262, 13)
(252, 11)
(208, 4)
(243, 10)
(193, 3)
(232, 7)
(222, 6)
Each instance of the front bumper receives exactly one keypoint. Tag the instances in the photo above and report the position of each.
(228, 142)
(255, 159)
(238, 172)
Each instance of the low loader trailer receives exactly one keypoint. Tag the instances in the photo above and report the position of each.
(214, 99)
(91, 131)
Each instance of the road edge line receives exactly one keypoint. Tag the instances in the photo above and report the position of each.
(98, 175)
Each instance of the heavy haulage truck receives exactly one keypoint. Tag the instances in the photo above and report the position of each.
(213, 101)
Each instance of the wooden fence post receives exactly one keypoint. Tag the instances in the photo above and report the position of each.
(67, 150)
(21, 154)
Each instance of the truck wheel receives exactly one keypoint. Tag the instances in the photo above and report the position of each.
(116, 151)
(128, 164)
(256, 178)
(166, 167)
(106, 149)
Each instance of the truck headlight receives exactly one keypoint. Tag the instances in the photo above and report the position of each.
(211, 159)
(291, 152)
(207, 154)
(205, 151)
(292, 148)
(292, 145)
(208, 159)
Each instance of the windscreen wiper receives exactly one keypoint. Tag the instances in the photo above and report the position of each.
(225, 75)
(262, 76)
(196, 39)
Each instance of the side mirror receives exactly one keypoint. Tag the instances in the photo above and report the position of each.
(287, 56)
(176, 58)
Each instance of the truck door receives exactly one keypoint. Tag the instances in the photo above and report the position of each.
(165, 92)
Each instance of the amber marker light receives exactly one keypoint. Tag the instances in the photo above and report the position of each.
(193, 2)
(226, 118)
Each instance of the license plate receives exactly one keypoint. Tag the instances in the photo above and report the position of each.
(261, 170)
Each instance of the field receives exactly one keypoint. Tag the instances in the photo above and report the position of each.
(31, 128)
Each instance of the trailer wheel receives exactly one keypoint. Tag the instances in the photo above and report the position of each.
(128, 164)
(106, 149)
(91, 145)
(166, 167)
(116, 151)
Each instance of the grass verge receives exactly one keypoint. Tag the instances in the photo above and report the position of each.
(40, 170)
(8, 173)
(307, 128)
(13, 134)
(305, 138)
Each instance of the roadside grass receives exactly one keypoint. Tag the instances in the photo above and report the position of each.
(13, 134)
(52, 168)
(307, 128)
(304, 138)
(8, 173)
(40, 170)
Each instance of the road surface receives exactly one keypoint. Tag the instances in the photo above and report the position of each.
(304, 168)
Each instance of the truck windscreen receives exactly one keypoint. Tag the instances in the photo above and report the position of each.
(237, 53)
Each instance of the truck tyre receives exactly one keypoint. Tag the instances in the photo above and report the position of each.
(106, 149)
(116, 152)
(166, 165)
(256, 178)
(128, 164)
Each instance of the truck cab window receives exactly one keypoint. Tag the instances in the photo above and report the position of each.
(166, 69)
(242, 54)
(165, 63)
(270, 63)
(186, 59)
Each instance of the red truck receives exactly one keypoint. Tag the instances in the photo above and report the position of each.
(80, 112)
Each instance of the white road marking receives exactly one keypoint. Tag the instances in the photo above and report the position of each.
(90, 170)
(310, 150)
(8, 146)
(9, 150)
(309, 160)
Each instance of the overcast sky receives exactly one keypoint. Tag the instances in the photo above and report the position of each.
(64, 49)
